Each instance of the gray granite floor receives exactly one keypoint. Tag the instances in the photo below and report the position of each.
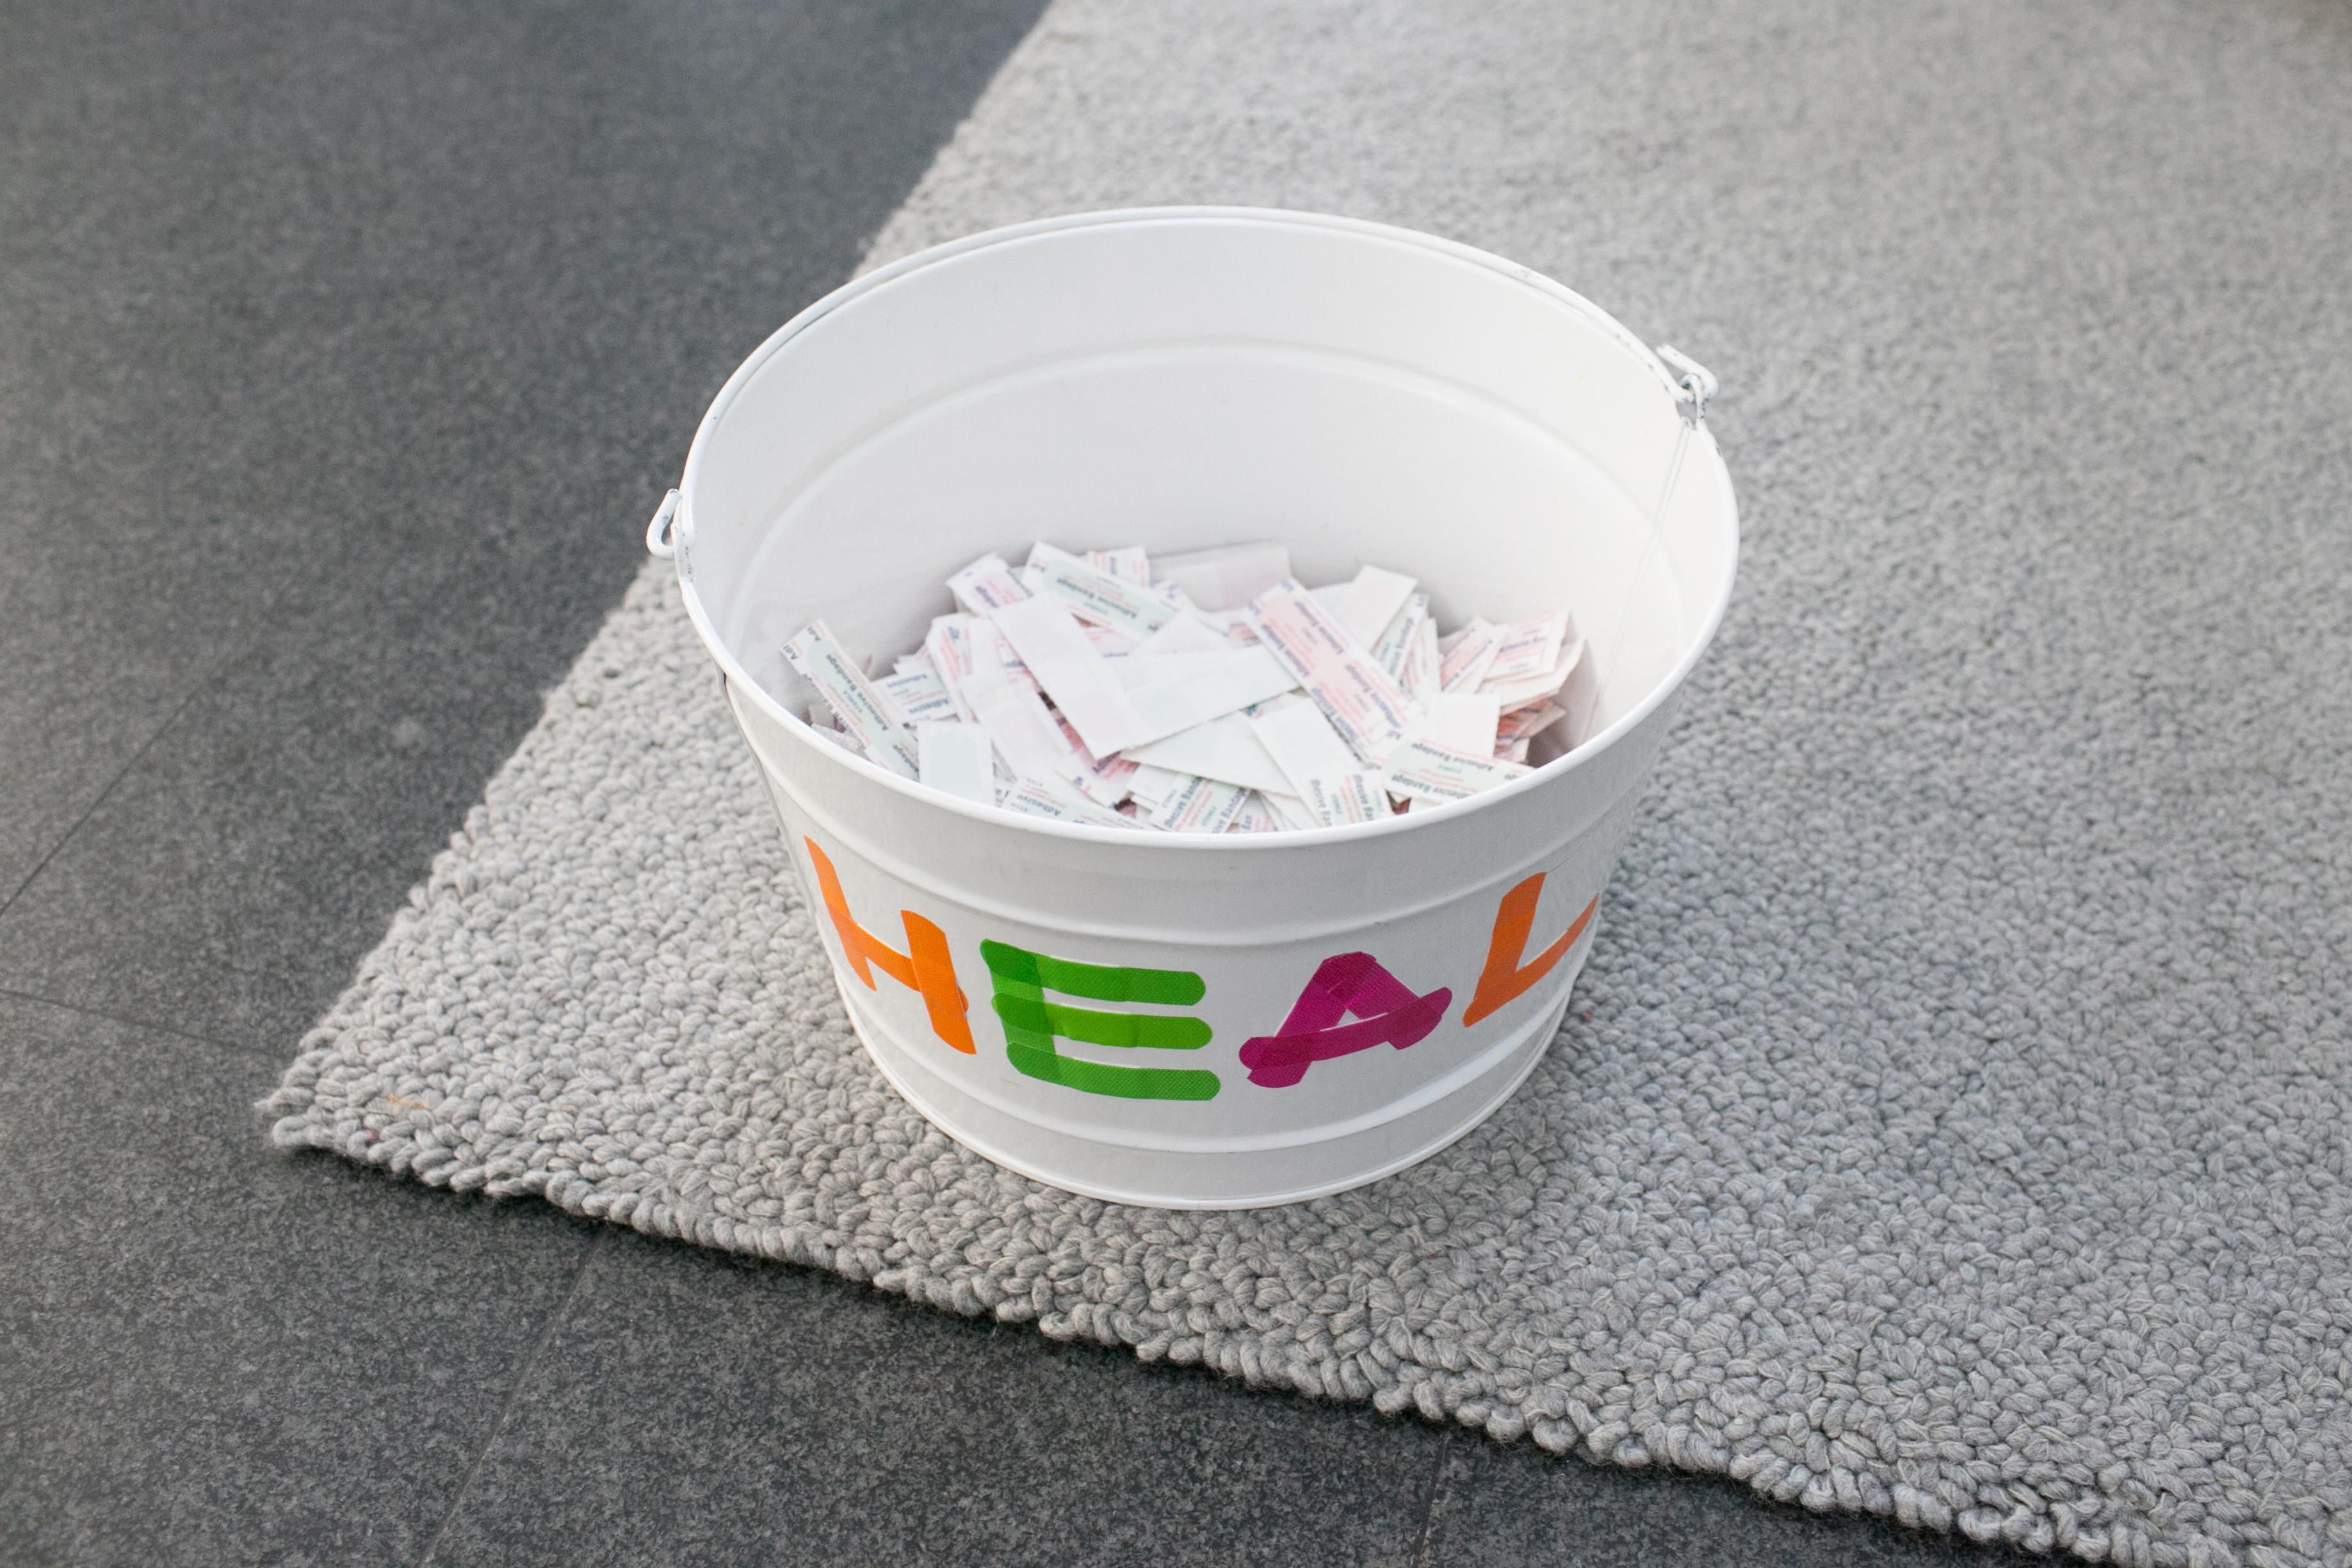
(341, 351)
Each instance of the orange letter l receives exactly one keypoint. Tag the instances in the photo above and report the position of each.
(1504, 980)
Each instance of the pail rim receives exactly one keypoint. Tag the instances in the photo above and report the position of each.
(1586, 753)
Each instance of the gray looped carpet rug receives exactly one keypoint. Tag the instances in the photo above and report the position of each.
(1955, 1122)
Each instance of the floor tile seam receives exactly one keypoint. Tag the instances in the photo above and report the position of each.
(1433, 1501)
(127, 1020)
(210, 677)
(523, 1376)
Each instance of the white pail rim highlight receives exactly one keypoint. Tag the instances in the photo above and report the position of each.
(1585, 754)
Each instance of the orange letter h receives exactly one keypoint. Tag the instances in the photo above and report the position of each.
(926, 967)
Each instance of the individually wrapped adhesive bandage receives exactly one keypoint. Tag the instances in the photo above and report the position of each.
(1174, 692)
(1109, 775)
(1187, 633)
(1464, 657)
(1072, 672)
(1149, 786)
(1528, 648)
(957, 759)
(1367, 603)
(1513, 693)
(1224, 577)
(1464, 721)
(1425, 770)
(916, 686)
(986, 584)
(1407, 649)
(1355, 796)
(1528, 722)
(1118, 704)
(948, 645)
(1233, 624)
(1128, 564)
(1366, 706)
(870, 718)
(1032, 743)
(1198, 806)
(1097, 595)
(1301, 742)
(1290, 811)
(1224, 748)
(1037, 798)
(1316, 763)
(1424, 662)
(1253, 815)
(994, 663)
(1110, 644)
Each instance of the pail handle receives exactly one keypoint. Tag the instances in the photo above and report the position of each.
(1694, 388)
(1694, 383)
(659, 540)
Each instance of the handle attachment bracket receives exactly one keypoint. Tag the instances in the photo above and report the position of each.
(1695, 384)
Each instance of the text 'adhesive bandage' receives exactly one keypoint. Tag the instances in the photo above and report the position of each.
(1355, 796)
(872, 719)
(986, 584)
(1528, 648)
(1428, 771)
(1198, 805)
(948, 645)
(916, 686)
(1039, 798)
(1407, 650)
(1355, 694)
(1097, 596)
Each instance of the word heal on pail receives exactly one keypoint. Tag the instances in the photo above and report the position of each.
(1351, 1002)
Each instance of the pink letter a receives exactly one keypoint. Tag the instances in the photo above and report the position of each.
(1348, 983)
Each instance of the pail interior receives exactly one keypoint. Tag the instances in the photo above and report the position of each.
(1177, 381)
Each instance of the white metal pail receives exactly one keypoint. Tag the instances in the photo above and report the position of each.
(1085, 1004)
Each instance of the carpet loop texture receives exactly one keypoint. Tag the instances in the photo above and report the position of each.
(1954, 1118)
